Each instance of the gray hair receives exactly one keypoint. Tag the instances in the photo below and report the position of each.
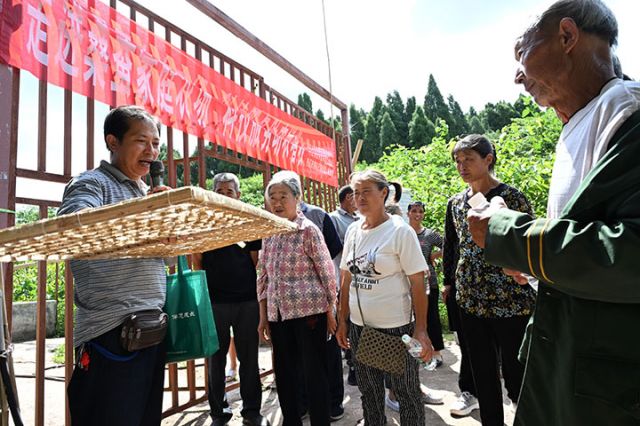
(226, 177)
(590, 16)
(288, 178)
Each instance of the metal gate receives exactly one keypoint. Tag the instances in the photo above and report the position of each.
(55, 156)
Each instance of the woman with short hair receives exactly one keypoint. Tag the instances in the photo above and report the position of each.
(297, 294)
(382, 258)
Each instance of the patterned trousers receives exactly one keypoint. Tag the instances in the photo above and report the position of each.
(405, 386)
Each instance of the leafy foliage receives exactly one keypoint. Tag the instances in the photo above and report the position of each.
(525, 151)
(252, 190)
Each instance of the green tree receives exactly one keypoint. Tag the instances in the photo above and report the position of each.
(372, 149)
(475, 125)
(458, 124)
(496, 116)
(421, 130)
(434, 105)
(388, 132)
(377, 110)
(304, 101)
(356, 124)
(410, 108)
(396, 110)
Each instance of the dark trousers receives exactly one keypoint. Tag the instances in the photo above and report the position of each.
(335, 377)
(127, 393)
(465, 378)
(488, 338)
(244, 318)
(334, 369)
(406, 386)
(434, 327)
(300, 343)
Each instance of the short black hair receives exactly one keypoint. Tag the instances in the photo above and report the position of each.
(344, 191)
(118, 121)
(415, 204)
(478, 143)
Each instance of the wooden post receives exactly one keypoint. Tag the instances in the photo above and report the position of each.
(356, 154)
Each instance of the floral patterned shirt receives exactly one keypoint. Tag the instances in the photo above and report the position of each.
(482, 289)
(297, 275)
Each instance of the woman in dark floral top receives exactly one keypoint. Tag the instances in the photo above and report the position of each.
(494, 309)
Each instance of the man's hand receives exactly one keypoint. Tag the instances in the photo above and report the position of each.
(479, 220)
(157, 189)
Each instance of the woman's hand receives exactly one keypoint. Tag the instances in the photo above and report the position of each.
(263, 330)
(518, 276)
(446, 290)
(427, 347)
(332, 325)
(341, 335)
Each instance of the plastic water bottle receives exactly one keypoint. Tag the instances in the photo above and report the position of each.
(414, 347)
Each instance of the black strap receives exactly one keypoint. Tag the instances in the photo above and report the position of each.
(355, 277)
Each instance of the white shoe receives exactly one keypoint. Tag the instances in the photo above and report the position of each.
(464, 405)
(431, 398)
(393, 405)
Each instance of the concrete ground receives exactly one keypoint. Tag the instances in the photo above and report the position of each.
(443, 381)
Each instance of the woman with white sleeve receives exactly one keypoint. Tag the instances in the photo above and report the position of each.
(384, 255)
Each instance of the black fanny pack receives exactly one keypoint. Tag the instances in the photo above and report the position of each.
(143, 329)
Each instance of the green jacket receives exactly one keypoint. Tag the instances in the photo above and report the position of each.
(583, 365)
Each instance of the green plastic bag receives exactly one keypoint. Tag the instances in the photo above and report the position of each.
(192, 331)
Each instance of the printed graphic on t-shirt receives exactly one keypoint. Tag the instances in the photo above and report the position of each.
(365, 269)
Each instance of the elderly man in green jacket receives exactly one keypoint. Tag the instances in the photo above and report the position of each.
(583, 365)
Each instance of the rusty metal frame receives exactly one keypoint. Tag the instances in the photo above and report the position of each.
(314, 192)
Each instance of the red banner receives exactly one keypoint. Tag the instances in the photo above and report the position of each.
(91, 49)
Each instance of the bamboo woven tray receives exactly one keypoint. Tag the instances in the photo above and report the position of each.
(179, 221)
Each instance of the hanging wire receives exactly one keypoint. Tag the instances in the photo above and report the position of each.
(326, 44)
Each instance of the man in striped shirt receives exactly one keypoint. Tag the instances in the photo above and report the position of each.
(111, 386)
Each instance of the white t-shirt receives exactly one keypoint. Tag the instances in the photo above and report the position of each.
(384, 256)
(585, 139)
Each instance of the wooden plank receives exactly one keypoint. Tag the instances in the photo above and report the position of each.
(91, 114)
(68, 123)
(49, 177)
(41, 334)
(42, 126)
(68, 336)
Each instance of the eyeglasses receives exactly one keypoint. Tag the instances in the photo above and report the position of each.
(354, 269)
